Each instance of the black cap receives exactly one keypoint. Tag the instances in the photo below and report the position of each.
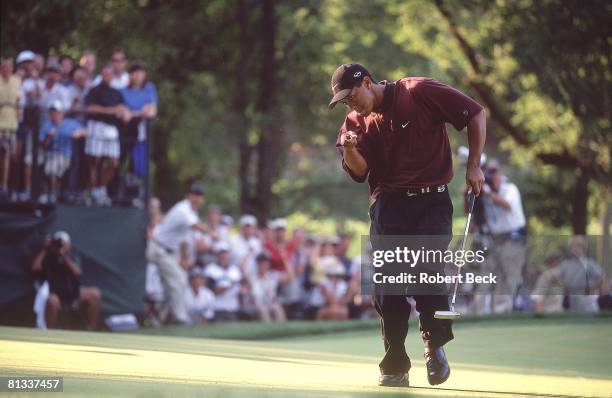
(262, 257)
(196, 189)
(344, 79)
(136, 66)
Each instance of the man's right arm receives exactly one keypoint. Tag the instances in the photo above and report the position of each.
(353, 159)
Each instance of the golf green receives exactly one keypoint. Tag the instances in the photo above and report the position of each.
(524, 357)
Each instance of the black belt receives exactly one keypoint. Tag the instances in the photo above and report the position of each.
(424, 190)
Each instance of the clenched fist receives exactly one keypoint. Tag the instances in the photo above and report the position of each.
(348, 140)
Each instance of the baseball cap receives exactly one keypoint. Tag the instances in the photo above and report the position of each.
(52, 66)
(56, 105)
(25, 56)
(222, 247)
(344, 79)
(196, 189)
(262, 257)
(248, 219)
(62, 235)
(279, 223)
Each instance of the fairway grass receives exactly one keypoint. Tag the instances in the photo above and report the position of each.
(549, 357)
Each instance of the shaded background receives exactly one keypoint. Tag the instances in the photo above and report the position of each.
(244, 87)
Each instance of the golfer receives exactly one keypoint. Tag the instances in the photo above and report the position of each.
(395, 137)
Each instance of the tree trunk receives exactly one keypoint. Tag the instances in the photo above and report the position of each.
(579, 204)
(270, 145)
(240, 101)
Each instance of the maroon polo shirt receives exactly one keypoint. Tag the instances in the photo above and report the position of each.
(406, 143)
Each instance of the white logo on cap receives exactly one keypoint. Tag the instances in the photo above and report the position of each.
(357, 74)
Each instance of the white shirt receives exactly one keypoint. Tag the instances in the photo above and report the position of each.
(117, 82)
(263, 287)
(499, 219)
(225, 277)
(240, 248)
(176, 225)
(29, 87)
(200, 306)
(337, 288)
(57, 92)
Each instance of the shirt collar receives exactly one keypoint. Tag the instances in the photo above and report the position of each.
(388, 95)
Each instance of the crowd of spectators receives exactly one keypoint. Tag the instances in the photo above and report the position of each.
(70, 127)
(221, 269)
(201, 271)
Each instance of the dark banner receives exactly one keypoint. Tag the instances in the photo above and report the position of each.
(110, 243)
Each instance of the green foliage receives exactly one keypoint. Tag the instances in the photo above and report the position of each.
(546, 63)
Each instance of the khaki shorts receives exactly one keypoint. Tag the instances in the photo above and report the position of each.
(8, 140)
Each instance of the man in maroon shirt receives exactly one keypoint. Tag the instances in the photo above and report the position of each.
(395, 136)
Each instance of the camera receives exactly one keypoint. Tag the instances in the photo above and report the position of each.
(56, 244)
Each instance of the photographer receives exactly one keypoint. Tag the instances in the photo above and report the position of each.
(56, 265)
(505, 220)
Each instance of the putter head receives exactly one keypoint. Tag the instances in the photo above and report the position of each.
(446, 315)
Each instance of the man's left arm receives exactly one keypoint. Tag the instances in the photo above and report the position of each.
(452, 106)
(477, 134)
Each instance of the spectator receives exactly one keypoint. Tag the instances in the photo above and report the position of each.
(39, 63)
(547, 295)
(218, 232)
(78, 172)
(162, 249)
(279, 249)
(506, 223)
(88, 62)
(264, 284)
(246, 243)
(199, 299)
(119, 77)
(78, 89)
(9, 115)
(581, 276)
(66, 64)
(322, 258)
(31, 89)
(341, 245)
(106, 111)
(334, 290)
(53, 91)
(226, 279)
(140, 96)
(56, 265)
(56, 137)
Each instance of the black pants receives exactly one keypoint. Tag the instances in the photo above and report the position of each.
(399, 214)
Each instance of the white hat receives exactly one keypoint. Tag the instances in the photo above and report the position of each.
(278, 223)
(248, 219)
(56, 105)
(24, 56)
(62, 235)
(335, 270)
(222, 246)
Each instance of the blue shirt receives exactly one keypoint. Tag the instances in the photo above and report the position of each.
(136, 98)
(62, 141)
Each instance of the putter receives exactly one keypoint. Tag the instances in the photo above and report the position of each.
(452, 314)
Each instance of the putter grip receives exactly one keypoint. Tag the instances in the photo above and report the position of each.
(471, 200)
